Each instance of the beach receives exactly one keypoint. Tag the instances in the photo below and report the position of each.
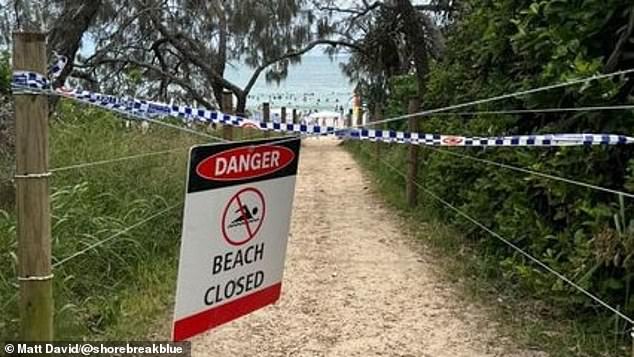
(315, 84)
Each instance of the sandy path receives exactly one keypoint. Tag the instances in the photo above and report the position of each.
(353, 284)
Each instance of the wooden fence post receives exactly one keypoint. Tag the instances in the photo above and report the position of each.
(227, 108)
(266, 117)
(412, 156)
(32, 195)
(378, 116)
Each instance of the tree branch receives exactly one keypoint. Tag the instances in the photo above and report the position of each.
(195, 56)
(84, 76)
(358, 12)
(626, 34)
(433, 8)
(180, 81)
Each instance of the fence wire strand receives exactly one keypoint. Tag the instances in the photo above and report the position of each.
(439, 199)
(406, 116)
(531, 172)
(138, 117)
(119, 159)
(121, 232)
(513, 246)
(501, 97)
(177, 127)
(539, 110)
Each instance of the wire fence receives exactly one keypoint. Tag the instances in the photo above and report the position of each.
(510, 244)
(116, 235)
(531, 172)
(515, 94)
(118, 159)
(506, 241)
(589, 109)
(437, 111)
(448, 110)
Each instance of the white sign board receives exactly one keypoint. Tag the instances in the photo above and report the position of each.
(235, 230)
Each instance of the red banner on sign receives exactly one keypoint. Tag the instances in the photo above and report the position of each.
(203, 321)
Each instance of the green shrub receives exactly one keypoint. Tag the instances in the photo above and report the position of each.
(505, 46)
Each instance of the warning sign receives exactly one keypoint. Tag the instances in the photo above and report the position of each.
(235, 230)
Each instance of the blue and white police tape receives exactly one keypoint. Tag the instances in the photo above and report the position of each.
(152, 109)
(58, 66)
(33, 82)
(515, 140)
(30, 81)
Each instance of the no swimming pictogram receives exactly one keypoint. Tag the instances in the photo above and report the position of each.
(243, 216)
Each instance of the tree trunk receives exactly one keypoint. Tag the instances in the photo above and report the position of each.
(415, 38)
(241, 104)
(221, 61)
(217, 88)
(68, 30)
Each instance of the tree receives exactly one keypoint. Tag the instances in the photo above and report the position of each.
(392, 38)
(167, 48)
(65, 21)
(182, 47)
(66, 33)
(513, 46)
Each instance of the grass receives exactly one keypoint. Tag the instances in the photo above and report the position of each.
(531, 322)
(122, 288)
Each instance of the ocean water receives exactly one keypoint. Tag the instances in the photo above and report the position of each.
(316, 84)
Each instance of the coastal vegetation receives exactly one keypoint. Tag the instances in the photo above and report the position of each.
(442, 52)
(493, 48)
(122, 288)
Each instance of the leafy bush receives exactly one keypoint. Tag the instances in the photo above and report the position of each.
(505, 46)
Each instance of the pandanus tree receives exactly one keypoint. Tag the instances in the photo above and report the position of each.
(392, 38)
